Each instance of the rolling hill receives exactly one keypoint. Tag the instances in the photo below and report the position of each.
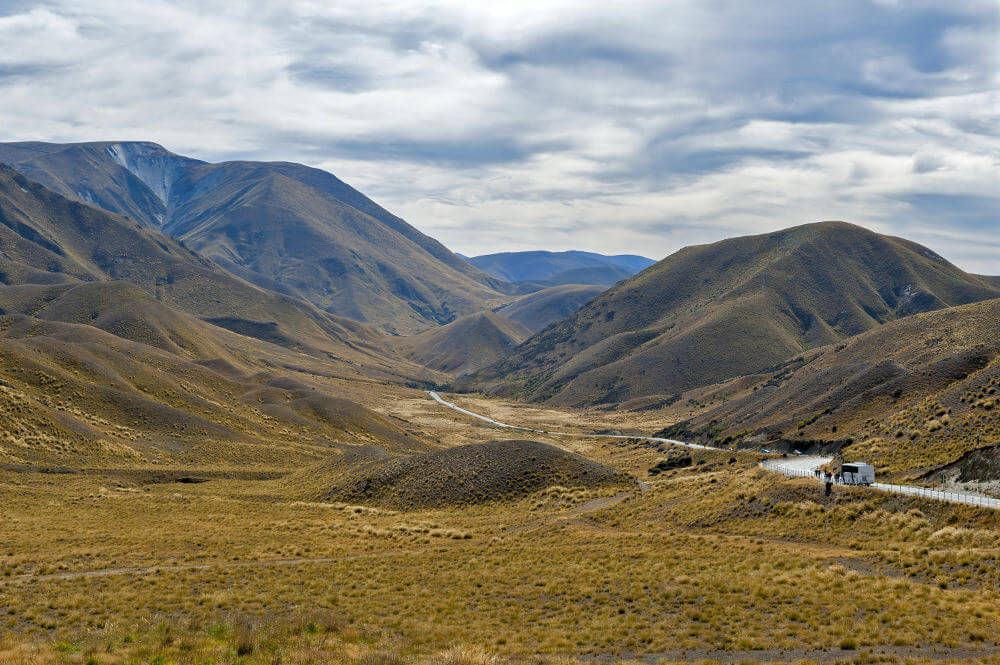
(914, 394)
(283, 226)
(47, 239)
(464, 345)
(739, 306)
(119, 346)
(474, 473)
(75, 394)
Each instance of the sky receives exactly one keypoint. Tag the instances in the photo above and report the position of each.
(628, 127)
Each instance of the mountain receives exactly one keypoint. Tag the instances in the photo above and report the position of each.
(120, 346)
(48, 240)
(711, 312)
(554, 268)
(464, 345)
(537, 310)
(283, 226)
(915, 393)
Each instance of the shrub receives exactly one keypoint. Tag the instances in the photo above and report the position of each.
(245, 638)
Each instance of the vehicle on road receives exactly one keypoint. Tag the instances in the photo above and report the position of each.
(857, 473)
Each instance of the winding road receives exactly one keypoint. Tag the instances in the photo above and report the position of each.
(803, 466)
(438, 399)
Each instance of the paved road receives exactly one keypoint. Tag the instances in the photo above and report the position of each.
(798, 466)
(496, 423)
(805, 466)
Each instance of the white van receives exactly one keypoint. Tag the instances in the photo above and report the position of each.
(857, 473)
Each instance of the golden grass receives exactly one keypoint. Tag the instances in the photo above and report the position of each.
(717, 562)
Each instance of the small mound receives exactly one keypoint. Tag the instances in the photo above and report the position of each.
(476, 473)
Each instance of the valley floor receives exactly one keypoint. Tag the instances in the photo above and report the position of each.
(718, 561)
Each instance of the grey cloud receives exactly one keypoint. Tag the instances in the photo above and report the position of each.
(669, 123)
(335, 76)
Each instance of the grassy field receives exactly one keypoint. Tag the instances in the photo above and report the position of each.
(720, 561)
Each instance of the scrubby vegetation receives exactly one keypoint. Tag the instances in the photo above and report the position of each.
(717, 561)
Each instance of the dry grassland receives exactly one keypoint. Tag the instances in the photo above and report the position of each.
(720, 561)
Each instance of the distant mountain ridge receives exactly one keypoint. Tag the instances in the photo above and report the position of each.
(711, 312)
(283, 226)
(556, 268)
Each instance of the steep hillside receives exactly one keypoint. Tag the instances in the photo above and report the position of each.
(282, 226)
(711, 312)
(47, 239)
(476, 473)
(540, 265)
(464, 345)
(537, 310)
(909, 396)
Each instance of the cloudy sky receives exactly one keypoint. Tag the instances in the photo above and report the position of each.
(633, 127)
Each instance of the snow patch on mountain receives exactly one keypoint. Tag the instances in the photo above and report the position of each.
(155, 166)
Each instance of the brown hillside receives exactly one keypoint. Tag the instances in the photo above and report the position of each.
(909, 396)
(48, 239)
(74, 394)
(711, 312)
(464, 345)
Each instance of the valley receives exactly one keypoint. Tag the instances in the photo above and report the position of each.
(218, 444)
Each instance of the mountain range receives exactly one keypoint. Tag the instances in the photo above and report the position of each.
(158, 307)
(539, 269)
(286, 227)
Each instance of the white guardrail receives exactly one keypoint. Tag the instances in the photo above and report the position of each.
(797, 470)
